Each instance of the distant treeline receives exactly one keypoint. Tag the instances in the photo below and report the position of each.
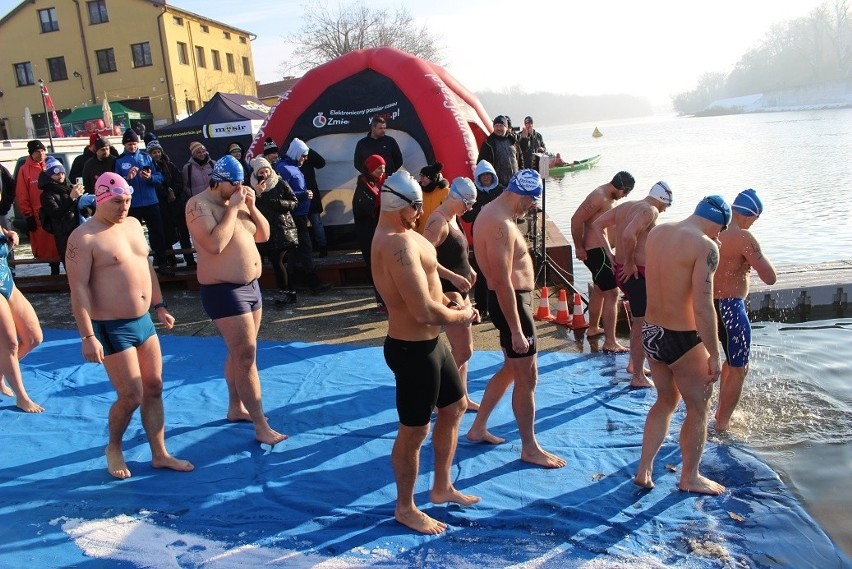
(812, 49)
(555, 109)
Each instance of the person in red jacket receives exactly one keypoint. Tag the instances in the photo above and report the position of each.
(28, 195)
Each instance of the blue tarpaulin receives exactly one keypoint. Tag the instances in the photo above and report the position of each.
(325, 496)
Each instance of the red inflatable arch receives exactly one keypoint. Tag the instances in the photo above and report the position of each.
(431, 116)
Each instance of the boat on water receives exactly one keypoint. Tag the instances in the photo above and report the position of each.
(583, 164)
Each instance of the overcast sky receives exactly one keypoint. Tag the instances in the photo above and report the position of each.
(655, 48)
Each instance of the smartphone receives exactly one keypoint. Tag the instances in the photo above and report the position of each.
(80, 181)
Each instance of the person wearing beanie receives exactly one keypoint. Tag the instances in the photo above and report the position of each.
(366, 204)
(112, 291)
(28, 197)
(59, 205)
(236, 150)
(197, 170)
(488, 188)
(501, 150)
(406, 276)
(504, 259)
(679, 336)
(530, 142)
(138, 168)
(456, 275)
(627, 225)
(226, 226)
(79, 162)
(103, 161)
(378, 142)
(275, 200)
(270, 151)
(739, 252)
(435, 190)
(172, 198)
(603, 295)
(288, 167)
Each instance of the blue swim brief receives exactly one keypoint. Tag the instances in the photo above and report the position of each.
(122, 334)
(734, 330)
(227, 299)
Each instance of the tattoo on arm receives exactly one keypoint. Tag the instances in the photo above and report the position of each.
(755, 246)
(712, 260)
(195, 212)
(402, 257)
(71, 253)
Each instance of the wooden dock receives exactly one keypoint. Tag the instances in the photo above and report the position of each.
(802, 292)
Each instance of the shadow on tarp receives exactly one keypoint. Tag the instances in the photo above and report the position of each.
(326, 495)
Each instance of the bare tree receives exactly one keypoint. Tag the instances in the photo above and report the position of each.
(327, 34)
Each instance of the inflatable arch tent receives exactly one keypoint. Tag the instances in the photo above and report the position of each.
(431, 116)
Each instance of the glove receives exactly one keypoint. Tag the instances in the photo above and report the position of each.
(31, 223)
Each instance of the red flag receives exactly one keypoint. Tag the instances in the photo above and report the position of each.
(48, 102)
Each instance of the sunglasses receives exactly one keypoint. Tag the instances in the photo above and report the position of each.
(416, 205)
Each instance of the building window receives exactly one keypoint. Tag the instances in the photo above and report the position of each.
(56, 68)
(205, 29)
(217, 61)
(178, 21)
(141, 54)
(48, 20)
(183, 54)
(190, 107)
(242, 39)
(226, 35)
(106, 60)
(246, 67)
(98, 12)
(229, 60)
(24, 73)
(199, 56)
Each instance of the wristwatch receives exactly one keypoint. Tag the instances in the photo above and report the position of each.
(160, 305)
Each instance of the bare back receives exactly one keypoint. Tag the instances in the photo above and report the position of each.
(405, 272)
(632, 220)
(679, 278)
(237, 259)
(738, 254)
(111, 262)
(501, 249)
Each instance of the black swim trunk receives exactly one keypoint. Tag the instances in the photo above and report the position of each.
(522, 301)
(122, 334)
(603, 275)
(447, 286)
(667, 346)
(426, 377)
(227, 299)
(635, 291)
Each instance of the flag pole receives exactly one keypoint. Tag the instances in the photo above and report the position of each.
(44, 106)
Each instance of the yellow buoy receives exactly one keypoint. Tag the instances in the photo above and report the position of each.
(596, 133)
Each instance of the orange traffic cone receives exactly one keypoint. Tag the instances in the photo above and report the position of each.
(562, 316)
(578, 322)
(543, 313)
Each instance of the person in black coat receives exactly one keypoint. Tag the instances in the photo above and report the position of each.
(59, 205)
(172, 196)
(308, 168)
(275, 200)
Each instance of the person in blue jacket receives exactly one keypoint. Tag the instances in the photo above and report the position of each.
(288, 168)
(137, 167)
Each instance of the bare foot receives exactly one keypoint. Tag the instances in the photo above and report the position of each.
(472, 405)
(237, 414)
(701, 485)
(646, 371)
(594, 332)
(172, 463)
(5, 389)
(115, 463)
(541, 457)
(644, 480)
(483, 437)
(28, 405)
(453, 495)
(420, 522)
(268, 436)
(614, 348)
(641, 381)
(720, 426)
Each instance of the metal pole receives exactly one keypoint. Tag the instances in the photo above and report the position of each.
(46, 118)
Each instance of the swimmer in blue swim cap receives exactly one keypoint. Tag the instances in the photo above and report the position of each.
(739, 252)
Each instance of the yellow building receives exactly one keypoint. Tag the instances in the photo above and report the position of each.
(148, 54)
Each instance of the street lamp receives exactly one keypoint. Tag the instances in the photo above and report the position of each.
(186, 100)
(80, 77)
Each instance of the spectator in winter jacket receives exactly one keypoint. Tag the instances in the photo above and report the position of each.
(172, 198)
(377, 142)
(59, 205)
(314, 162)
(530, 143)
(29, 203)
(501, 150)
(76, 170)
(196, 172)
(435, 188)
(103, 161)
